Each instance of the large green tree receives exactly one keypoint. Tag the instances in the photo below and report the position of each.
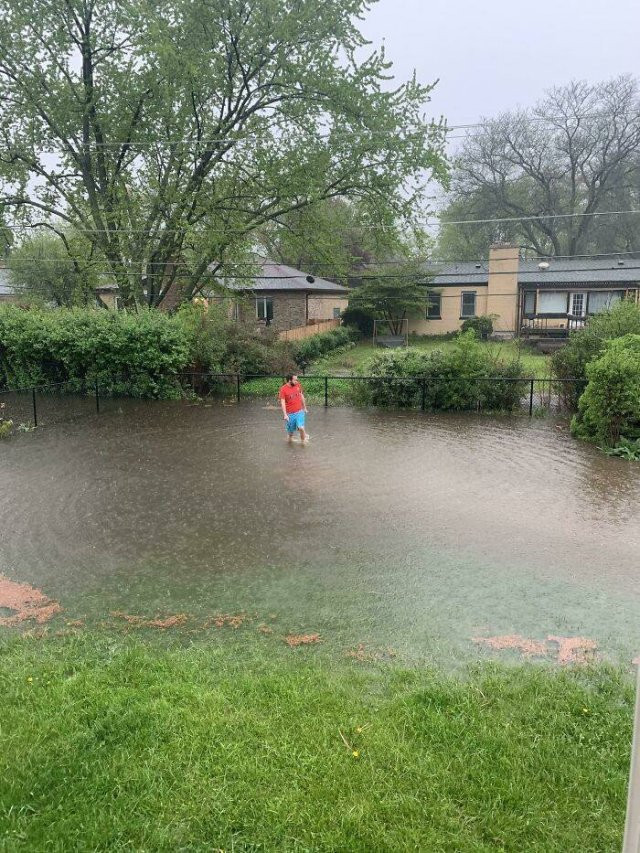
(55, 269)
(169, 131)
(547, 170)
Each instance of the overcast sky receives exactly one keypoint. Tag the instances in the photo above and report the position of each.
(498, 54)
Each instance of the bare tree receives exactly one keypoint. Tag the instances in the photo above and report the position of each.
(576, 152)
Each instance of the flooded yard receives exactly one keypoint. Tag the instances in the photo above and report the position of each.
(441, 537)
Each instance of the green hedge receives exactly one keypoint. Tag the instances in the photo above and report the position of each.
(313, 348)
(136, 354)
(462, 378)
(587, 344)
(609, 409)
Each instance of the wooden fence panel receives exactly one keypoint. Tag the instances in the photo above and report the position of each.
(302, 332)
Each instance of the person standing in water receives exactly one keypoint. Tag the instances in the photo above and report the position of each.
(294, 407)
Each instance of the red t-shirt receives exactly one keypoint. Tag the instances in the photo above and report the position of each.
(292, 397)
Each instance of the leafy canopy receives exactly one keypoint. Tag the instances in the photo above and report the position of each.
(168, 132)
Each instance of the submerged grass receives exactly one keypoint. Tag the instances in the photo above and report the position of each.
(118, 744)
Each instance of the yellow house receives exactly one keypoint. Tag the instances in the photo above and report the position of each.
(542, 298)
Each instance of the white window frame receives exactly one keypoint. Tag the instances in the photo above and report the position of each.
(261, 301)
(583, 310)
(337, 312)
(473, 293)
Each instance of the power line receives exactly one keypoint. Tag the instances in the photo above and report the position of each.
(140, 270)
(296, 132)
(433, 220)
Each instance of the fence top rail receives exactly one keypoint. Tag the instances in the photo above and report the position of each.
(306, 376)
(234, 376)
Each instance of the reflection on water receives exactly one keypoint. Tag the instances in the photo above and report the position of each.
(421, 531)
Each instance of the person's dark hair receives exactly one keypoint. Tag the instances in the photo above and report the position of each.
(289, 377)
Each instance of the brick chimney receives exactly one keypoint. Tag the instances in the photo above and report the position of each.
(502, 292)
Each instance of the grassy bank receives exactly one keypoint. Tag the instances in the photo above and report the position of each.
(346, 361)
(113, 743)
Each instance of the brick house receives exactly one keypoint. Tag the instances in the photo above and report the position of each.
(285, 299)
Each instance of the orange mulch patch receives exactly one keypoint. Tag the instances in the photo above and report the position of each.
(265, 629)
(579, 650)
(294, 640)
(574, 649)
(226, 620)
(174, 621)
(27, 602)
(513, 641)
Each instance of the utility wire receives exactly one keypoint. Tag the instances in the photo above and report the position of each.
(296, 132)
(433, 220)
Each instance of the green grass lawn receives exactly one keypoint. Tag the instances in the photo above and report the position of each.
(114, 743)
(536, 364)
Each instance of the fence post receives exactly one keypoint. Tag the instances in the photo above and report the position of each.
(631, 842)
(531, 399)
(423, 399)
(35, 409)
(326, 392)
(97, 398)
(237, 387)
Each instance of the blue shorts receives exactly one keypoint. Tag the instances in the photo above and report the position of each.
(295, 421)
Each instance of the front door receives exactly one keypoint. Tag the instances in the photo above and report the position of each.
(578, 304)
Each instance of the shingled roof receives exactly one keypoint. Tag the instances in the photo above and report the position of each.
(577, 271)
(278, 277)
(591, 271)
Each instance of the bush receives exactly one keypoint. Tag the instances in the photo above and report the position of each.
(144, 351)
(314, 347)
(584, 345)
(482, 326)
(462, 378)
(609, 409)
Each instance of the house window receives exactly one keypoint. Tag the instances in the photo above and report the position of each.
(530, 303)
(552, 302)
(264, 308)
(336, 312)
(468, 304)
(434, 306)
(602, 300)
(578, 304)
(235, 311)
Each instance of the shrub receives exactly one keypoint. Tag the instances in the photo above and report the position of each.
(463, 377)
(482, 326)
(6, 425)
(205, 333)
(138, 354)
(314, 347)
(609, 409)
(584, 345)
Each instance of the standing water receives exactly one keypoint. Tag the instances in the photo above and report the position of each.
(419, 532)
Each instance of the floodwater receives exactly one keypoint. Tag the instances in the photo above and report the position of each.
(403, 530)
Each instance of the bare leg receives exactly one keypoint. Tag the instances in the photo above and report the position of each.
(303, 435)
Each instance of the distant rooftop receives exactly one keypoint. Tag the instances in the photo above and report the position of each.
(591, 271)
(580, 271)
(272, 276)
